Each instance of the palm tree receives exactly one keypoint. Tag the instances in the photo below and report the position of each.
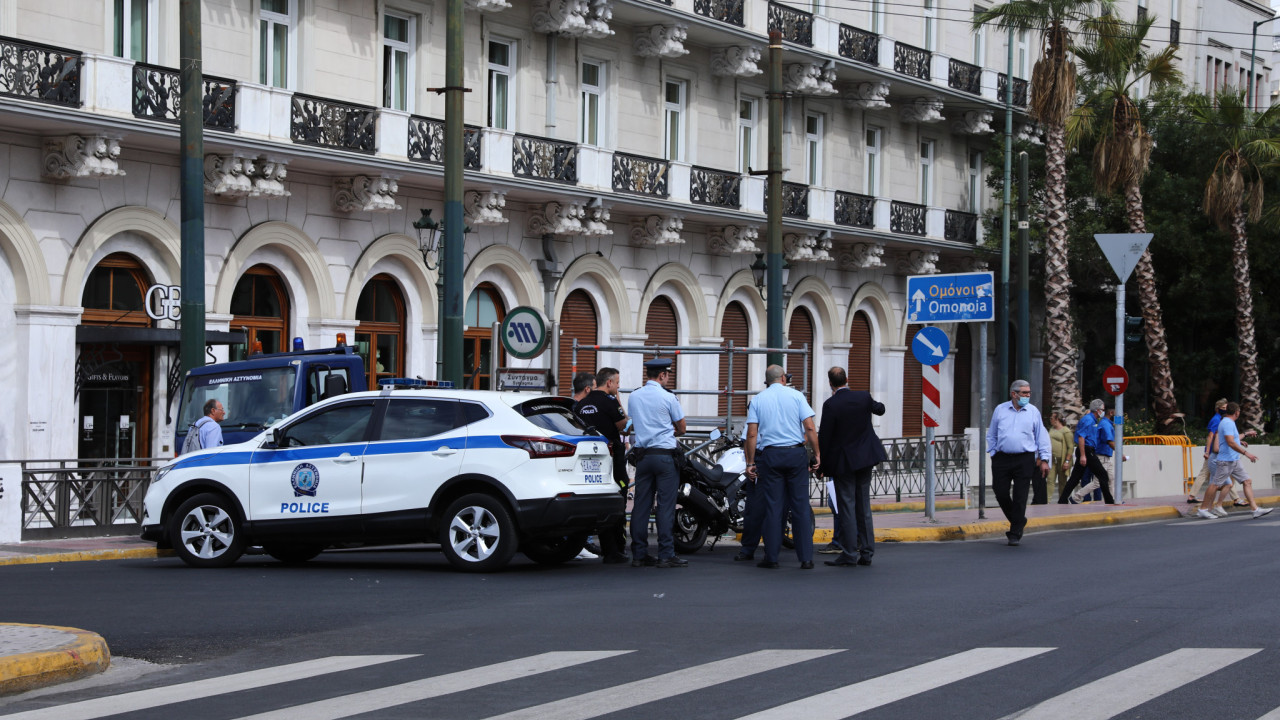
(1233, 196)
(1053, 97)
(1115, 63)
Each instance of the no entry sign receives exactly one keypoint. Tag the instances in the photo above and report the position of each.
(1115, 380)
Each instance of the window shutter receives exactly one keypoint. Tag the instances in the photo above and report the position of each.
(912, 403)
(577, 320)
(662, 326)
(735, 328)
(799, 334)
(860, 353)
(960, 409)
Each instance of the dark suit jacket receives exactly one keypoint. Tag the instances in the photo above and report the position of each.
(845, 438)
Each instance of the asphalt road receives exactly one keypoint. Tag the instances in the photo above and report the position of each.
(1166, 620)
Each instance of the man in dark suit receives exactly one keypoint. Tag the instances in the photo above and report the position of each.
(850, 450)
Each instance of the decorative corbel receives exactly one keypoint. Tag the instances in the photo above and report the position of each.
(736, 61)
(919, 262)
(365, 193)
(799, 247)
(869, 96)
(862, 256)
(973, 122)
(268, 177)
(656, 230)
(563, 17)
(484, 208)
(597, 19)
(923, 110)
(597, 220)
(730, 239)
(229, 176)
(665, 41)
(488, 5)
(74, 156)
(557, 218)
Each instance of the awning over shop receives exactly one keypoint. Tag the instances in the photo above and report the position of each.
(109, 335)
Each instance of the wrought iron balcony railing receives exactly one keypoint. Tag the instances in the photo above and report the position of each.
(795, 200)
(32, 71)
(333, 124)
(961, 227)
(543, 159)
(640, 175)
(859, 45)
(157, 95)
(855, 210)
(1019, 89)
(795, 25)
(964, 77)
(715, 187)
(907, 218)
(426, 142)
(1174, 27)
(911, 61)
(726, 11)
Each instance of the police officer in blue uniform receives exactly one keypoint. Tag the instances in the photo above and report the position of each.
(656, 419)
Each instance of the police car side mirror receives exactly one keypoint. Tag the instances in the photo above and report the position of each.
(715, 434)
(277, 438)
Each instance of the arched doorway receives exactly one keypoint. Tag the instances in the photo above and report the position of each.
(912, 403)
(578, 321)
(860, 352)
(662, 326)
(113, 381)
(963, 382)
(260, 305)
(799, 335)
(380, 332)
(735, 327)
(484, 308)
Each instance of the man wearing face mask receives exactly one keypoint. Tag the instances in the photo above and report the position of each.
(1019, 447)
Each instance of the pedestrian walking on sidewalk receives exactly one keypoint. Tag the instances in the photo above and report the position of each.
(1211, 455)
(1019, 447)
(1086, 444)
(779, 424)
(1060, 465)
(1229, 467)
(658, 418)
(851, 450)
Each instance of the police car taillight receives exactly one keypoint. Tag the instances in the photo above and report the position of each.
(540, 447)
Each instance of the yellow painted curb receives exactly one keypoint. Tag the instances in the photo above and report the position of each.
(913, 506)
(86, 555)
(85, 655)
(995, 528)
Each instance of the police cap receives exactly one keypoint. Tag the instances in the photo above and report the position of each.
(657, 365)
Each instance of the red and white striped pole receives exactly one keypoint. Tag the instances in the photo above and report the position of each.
(930, 386)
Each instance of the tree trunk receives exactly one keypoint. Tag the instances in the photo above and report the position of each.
(1247, 347)
(1164, 400)
(1061, 358)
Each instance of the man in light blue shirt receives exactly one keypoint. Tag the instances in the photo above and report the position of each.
(208, 426)
(657, 419)
(1019, 447)
(1228, 467)
(779, 422)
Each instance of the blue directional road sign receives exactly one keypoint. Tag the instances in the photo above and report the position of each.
(959, 297)
(930, 346)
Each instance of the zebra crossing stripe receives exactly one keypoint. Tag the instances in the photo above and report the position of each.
(1273, 715)
(661, 687)
(155, 697)
(425, 689)
(859, 697)
(1127, 689)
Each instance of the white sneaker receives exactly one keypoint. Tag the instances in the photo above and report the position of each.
(586, 555)
(1220, 511)
(1262, 511)
(1202, 513)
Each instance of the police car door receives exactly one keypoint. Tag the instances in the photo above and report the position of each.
(315, 473)
(418, 447)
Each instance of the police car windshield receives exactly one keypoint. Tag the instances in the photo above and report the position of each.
(554, 414)
(253, 398)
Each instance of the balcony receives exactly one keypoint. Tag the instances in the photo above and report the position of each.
(321, 122)
(961, 227)
(795, 200)
(907, 218)
(716, 188)
(859, 45)
(39, 72)
(854, 210)
(426, 142)
(795, 25)
(542, 159)
(1019, 90)
(726, 11)
(911, 61)
(964, 77)
(157, 95)
(637, 175)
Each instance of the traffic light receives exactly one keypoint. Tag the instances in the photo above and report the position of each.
(1132, 329)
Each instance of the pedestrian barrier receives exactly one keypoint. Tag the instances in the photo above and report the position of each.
(84, 498)
(1188, 476)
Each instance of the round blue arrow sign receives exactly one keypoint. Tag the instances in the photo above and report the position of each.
(930, 346)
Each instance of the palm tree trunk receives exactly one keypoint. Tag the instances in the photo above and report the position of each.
(1165, 401)
(1247, 345)
(1061, 358)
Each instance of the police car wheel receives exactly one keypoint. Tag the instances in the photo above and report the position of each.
(554, 550)
(206, 532)
(293, 554)
(478, 534)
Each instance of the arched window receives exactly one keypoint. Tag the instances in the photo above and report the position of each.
(912, 387)
(735, 327)
(800, 334)
(860, 352)
(114, 293)
(261, 305)
(577, 321)
(484, 308)
(963, 380)
(663, 327)
(380, 332)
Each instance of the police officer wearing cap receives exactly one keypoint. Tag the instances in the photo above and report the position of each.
(657, 419)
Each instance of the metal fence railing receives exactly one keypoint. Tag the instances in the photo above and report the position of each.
(84, 498)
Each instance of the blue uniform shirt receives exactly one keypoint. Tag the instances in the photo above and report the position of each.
(1226, 453)
(1214, 422)
(1018, 430)
(1106, 434)
(653, 410)
(779, 413)
(1087, 429)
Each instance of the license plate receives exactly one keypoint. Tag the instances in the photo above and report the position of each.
(590, 465)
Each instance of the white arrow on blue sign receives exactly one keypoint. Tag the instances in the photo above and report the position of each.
(930, 346)
(958, 297)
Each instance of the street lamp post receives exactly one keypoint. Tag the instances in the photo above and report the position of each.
(1253, 51)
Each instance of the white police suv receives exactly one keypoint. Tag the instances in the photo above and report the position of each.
(483, 474)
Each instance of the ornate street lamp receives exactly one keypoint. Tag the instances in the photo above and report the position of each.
(760, 271)
(430, 236)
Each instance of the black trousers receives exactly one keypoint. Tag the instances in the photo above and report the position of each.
(853, 516)
(1077, 474)
(1039, 488)
(1011, 475)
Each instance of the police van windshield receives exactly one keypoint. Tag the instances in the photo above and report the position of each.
(253, 398)
(554, 415)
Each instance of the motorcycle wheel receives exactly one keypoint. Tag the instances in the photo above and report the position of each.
(690, 531)
(788, 539)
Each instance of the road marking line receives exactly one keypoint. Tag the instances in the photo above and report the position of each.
(859, 697)
(661, 687)
(427, 688)
(1273, 715)
(1127, 689)
(168, 694)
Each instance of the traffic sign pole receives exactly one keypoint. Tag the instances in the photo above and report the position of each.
(1118, 455)
(930, 382)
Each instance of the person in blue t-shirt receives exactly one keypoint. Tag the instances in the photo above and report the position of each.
(1211, 456)
(1228, 467)
(1105, 447)
(1087, 456)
